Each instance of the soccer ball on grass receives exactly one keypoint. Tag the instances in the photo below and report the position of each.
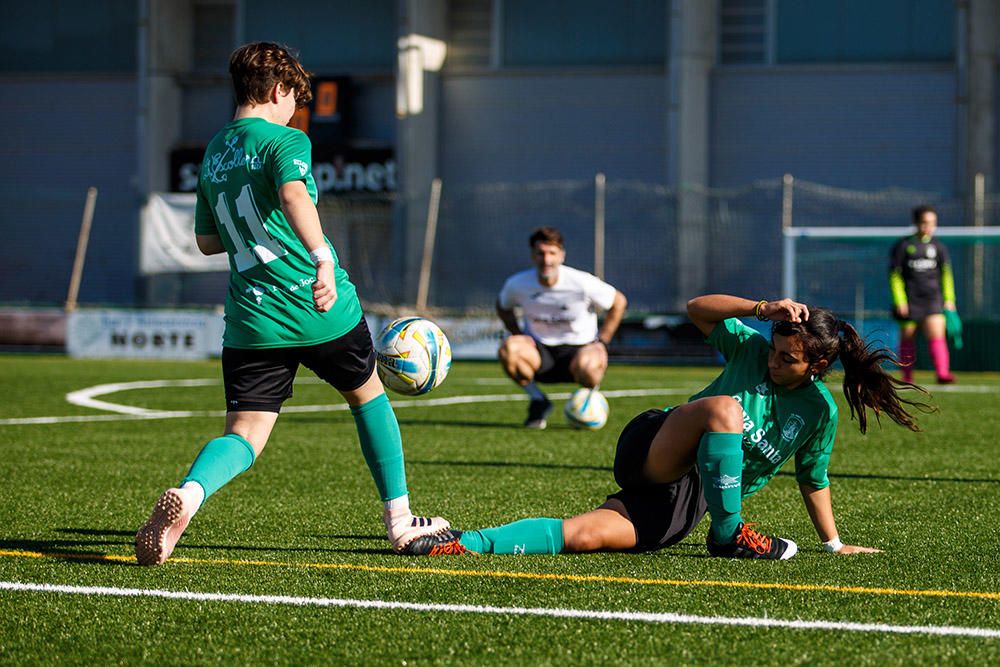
(412, 356)
(586, 408)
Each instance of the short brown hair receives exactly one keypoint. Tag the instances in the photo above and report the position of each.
(546, 235)
(258, 66)
(920, 211)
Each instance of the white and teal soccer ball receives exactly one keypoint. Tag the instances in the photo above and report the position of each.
(412, 356)
(586, 408)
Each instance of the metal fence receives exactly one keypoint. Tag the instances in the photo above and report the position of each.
(647, 249)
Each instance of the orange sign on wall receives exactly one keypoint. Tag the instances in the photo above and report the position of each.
(326, 99)
(300, 119)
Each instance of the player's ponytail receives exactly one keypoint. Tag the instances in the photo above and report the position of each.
(866, 383)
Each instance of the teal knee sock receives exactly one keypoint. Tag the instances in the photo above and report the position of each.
(528, 536)
(381, 445)
(720, 462)
(219, 461)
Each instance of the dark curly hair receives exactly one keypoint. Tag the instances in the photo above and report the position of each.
(258, 66)
(866, 384)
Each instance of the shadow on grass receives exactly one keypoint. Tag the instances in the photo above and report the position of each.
(80, 550)
(510, 464)
(905, 478)
(509, 425)
(567, 466)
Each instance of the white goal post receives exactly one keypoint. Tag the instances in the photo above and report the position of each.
(791, 236)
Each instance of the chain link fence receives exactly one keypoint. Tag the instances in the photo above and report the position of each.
(660, 245)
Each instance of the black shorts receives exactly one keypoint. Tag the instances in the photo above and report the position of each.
(662, 514)
(260, 379)
(921, 309)
(555, 362)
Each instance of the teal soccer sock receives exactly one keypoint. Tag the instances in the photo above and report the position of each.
(219, 461)
(720, 462)
(381, 445)
(528, 536)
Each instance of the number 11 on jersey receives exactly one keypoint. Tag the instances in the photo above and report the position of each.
(265, 248)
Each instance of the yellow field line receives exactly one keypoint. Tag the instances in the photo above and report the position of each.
(984, 595)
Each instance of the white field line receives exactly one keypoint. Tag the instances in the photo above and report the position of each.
(88, 398)
(587, 614)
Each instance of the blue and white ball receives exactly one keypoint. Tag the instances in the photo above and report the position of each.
(412, 356)
(586, 408)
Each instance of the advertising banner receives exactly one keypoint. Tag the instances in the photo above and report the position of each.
(149, 334)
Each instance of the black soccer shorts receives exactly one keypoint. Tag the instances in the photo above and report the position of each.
(662, 514)
(556, 360)
(261, 379)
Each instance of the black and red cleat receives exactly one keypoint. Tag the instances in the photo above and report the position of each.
(441, 544)
(748, 543)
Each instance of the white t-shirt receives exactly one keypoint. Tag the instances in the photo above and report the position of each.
(563, 314)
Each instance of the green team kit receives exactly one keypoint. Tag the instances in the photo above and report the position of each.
(269, 303)
(777, 422)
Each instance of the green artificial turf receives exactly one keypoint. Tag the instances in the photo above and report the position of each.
(305, 522)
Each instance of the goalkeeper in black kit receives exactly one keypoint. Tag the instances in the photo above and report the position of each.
(923, 294)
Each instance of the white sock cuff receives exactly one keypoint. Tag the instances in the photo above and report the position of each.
(397, 504)
(197, 492)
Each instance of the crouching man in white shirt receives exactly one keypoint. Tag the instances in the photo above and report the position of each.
(560, 341)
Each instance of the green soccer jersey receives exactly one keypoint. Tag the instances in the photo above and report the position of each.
(269, 303)
(777, 422)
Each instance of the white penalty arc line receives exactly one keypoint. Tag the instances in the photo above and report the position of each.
(87, 398)
(586, 614)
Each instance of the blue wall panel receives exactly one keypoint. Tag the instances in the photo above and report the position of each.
(524, 128)
(53, 152)
(864, 128)
(843, 31)
(331, 36)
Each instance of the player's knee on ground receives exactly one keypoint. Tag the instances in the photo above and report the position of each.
(597, 530)
(582, 537)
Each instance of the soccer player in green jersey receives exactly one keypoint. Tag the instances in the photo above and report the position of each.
(289, 302)
(768, 405)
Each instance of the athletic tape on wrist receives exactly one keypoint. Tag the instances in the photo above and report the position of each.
(833, 546)
(322, 254)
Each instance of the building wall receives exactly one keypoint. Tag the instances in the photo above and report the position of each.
(538, 103)
(62, 135)
(864, 127)
(526, 127)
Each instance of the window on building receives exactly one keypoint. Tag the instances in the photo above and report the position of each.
(854, 31)
(470, 34)
(68, 36)
(745, 32)
(331, 36)
(214, 36)
(583, 32)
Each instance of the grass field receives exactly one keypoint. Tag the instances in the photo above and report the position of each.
(294, 554)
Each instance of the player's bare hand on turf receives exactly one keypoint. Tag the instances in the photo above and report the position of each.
(786, 310)
(849, 549)
(324, 289)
